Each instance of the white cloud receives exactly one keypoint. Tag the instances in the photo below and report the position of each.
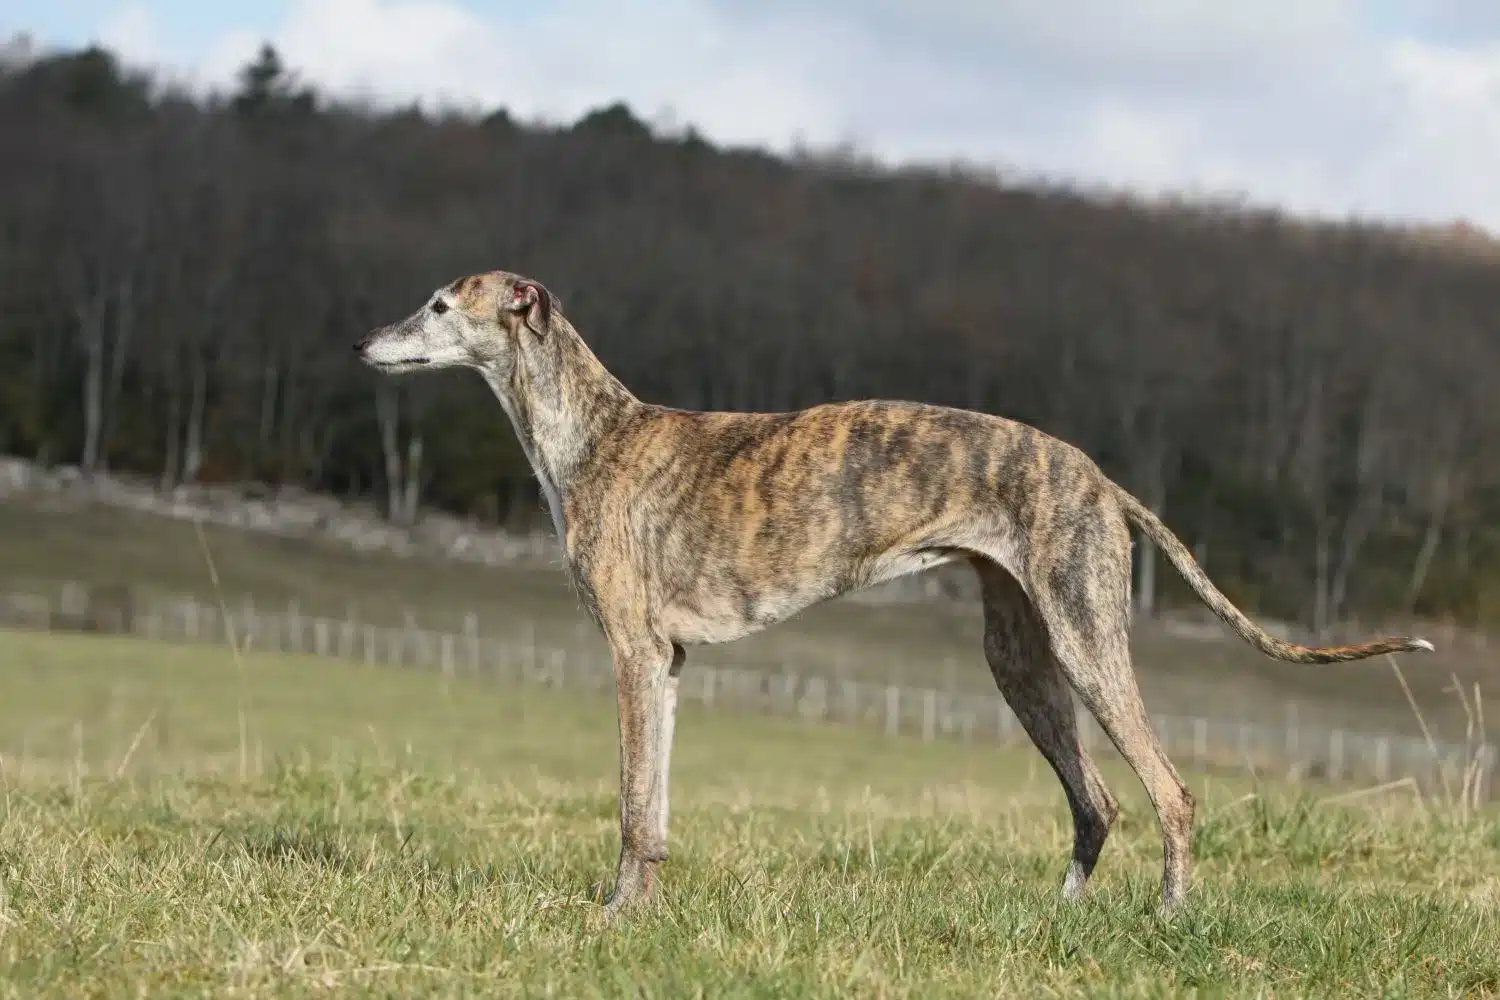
(555, 64)
(1305, 103)
(133, 33)
(1451, 138)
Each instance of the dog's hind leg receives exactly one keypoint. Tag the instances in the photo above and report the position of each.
(1083, 597)
(1015, 644)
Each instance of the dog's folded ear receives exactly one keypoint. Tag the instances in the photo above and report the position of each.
(532, 298)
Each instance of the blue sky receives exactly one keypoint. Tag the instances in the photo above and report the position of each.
(1385, 108)
(185, 26)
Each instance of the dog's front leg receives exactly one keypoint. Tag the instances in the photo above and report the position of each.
(643, 683)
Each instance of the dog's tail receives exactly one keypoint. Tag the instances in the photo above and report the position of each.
(1178, 555)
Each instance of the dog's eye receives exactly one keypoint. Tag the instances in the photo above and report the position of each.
(439, 306)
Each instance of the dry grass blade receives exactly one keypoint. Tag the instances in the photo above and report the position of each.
(234, 646)
(1479, 750)
(134, 745)
(1389, 786)
(1422, 724)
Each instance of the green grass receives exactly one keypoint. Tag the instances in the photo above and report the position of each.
(923, 645)
(385, 833)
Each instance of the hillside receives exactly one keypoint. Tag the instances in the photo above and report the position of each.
(1308, 405)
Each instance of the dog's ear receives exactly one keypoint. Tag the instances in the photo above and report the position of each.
(533, 299)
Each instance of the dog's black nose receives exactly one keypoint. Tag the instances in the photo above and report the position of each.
(361, 344)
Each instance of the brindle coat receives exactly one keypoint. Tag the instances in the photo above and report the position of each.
(683, 527)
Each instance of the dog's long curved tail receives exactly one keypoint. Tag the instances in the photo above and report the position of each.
(1178, 555)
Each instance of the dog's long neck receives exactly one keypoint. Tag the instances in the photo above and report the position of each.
(562, 401)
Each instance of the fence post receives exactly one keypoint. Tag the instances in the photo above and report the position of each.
(1200, 740)
(408, 636)
(501, 659)
(929, 715)
(1383, 760)
(369, 643)
(346, 636)
(528, 642)
(446, 655)
(710, 676)
(251, 627)
(471, 632)
(294, 626)
(192, 621)
(892, 710)
(320, 636)
(73, 598)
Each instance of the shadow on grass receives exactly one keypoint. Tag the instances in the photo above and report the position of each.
(299, 847)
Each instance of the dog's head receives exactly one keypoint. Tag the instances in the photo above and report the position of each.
(475, 322)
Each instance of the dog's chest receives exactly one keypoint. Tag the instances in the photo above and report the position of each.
(733, 610)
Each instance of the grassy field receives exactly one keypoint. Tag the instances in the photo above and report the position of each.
(918, 645)
(177, 823)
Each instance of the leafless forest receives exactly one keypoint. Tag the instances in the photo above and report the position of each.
(1308, 405)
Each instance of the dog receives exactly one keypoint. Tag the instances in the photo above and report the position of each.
(683, 527)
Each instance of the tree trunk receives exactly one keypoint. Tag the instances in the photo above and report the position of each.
(413, 479)
(1461, 548)
(1369, 500)
(290, 404)
(1357, 529)
(44, 354)
(1205, 530)
(1322, 557)
(267, 409)
(1151, 453)
(1436, 517)
(91, 329)
(192, 459)
(387, 412)
(124, 329)
(1145, 600)
(174, 438)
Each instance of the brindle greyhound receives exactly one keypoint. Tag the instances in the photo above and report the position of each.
(683, 527)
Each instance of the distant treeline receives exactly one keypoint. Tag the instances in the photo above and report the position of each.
(1311, 406)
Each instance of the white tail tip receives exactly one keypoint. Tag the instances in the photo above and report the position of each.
(1422, 644)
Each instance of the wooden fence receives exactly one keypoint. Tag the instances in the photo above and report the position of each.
(1279, 748)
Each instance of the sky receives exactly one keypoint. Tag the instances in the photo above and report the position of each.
(1383, 109)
